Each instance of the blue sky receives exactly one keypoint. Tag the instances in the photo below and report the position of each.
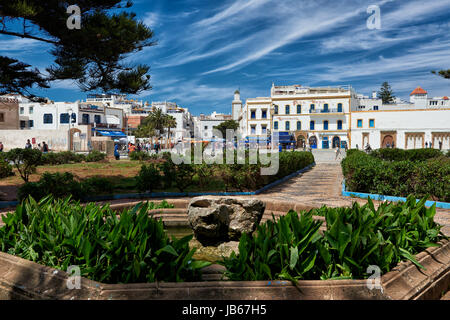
(208, 49)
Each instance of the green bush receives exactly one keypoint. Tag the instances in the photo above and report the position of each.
(148, 178)
(368, 174)
(292, 247)
(131, 249)
(59, 185)
(24, 160)
(64, 157)
(403, 155)
(95, 156)
(98, 185)
(6, 169)
(139, 156)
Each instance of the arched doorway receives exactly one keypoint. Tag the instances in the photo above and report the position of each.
(301, 141)
(71, 137)
(313, 142)
(388, 140)
(336, 142)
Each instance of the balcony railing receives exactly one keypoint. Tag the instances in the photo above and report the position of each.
(332, 110)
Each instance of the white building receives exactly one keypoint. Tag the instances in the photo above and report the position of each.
(204, 125)
(407, 126)
(317, 116)
(327, 117)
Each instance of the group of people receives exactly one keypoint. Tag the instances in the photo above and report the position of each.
(43, 148)
(430, 145)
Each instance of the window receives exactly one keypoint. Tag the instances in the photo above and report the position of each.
(2, 117)
(253, 129)
(48, 118)
(30, 123)
(311, 125)
(74, 117)
(325, 125)
(275, 125)
(22, 110)
(339, 107)
(359, 123)
(312, 107)
(206, 127)
(287, 124)
(253, 114)
(97, 118)
(23, 124)
(371, 123)
(375, 107)
(264, 129)
(288, 109)
(64, 118)
(264, 114)
(299, 125)
(299, 108)
(30, 110)
(339, 125)
(275, 109)
(325, 107)
(85, 118)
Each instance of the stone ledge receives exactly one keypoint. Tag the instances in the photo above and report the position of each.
(22, 279)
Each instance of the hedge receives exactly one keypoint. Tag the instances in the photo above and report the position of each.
(370, 174)
(411, 155)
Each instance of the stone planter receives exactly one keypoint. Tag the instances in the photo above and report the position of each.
(23, 279)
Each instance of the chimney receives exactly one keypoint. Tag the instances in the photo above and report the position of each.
(374, 94)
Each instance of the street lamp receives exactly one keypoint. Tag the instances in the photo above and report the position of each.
(70, 112)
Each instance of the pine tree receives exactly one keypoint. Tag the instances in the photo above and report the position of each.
(386, 94)
(443, 73)
(92, 56)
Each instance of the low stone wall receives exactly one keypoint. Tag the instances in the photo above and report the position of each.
(23, 279)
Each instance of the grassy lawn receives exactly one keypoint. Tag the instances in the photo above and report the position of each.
(121, 175)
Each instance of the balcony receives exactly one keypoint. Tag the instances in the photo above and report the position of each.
(332, 110)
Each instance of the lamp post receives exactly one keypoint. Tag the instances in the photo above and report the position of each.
(272, 112)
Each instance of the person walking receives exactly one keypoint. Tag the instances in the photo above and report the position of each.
(338, 153)
(440, 145)
(426, 145)
(28, 144)
(116, 151)
(44, 147)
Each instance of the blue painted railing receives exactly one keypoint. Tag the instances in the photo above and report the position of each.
(345, 193)
(179, 194)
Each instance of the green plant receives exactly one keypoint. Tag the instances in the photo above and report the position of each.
(5, 169)
(25, 161)
(95, 156)
(59, 185)
(64, 157)
(183, 175)
(139, 155)
(98, 185)
(148, 178)
(131, 248)
(292, 247)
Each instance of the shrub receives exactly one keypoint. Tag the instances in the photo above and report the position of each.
(139, 155)
(6, 169)
(148, 178)
(25, 161)
(183, 176)
(365, 173)
(98, 185)
(292, 248)
(59, 185)
(411, 155)
(95, 156)
(64, 157)
(131, 249)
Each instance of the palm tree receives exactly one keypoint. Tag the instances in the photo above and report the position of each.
(171, 122)
(156, 121)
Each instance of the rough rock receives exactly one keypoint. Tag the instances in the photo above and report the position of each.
(218, 220)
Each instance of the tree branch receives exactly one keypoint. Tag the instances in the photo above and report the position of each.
(27, 36)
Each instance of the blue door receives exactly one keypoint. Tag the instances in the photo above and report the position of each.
(325, 144)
